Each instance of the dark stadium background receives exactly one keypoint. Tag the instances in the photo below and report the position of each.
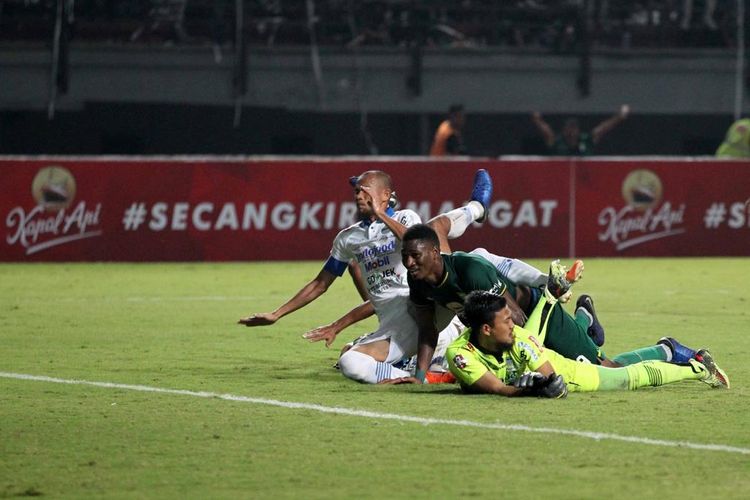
(161, 76)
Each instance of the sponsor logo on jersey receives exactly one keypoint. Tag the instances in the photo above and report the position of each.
(459, 361)
(536, 342)
(498, 288)
(527, 351)
(377, 263)
(376, 251)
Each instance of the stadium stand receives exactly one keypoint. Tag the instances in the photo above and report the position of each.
(556, 25)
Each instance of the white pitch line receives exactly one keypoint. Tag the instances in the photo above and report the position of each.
(206, 298)
(189, 298)
(597, 436)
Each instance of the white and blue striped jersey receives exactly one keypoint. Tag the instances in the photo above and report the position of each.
(378, 252)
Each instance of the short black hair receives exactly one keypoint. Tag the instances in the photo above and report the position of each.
(455, 108)
(480, 307)
(421, 232)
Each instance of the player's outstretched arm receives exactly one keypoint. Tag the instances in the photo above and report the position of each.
(359, 283)
(424, 316)
(490, 384)
(544, 383)
(329, 332)
(307, 294)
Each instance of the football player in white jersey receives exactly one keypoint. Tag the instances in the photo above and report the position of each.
(372, 244)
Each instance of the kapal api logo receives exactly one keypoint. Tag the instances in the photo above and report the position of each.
(56, 219)
(644, 217)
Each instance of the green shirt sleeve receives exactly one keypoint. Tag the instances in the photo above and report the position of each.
(475, 273)
(465, 365)
(527, 350)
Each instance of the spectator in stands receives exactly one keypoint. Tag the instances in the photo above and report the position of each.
(571, 141)
(737, 141)
(165, 16)
(709, 6)
(448, 138)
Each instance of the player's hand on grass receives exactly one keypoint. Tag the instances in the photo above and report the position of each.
(259, 319)
(553, 387)
(400, 380)
(529, 380)
(327, 333)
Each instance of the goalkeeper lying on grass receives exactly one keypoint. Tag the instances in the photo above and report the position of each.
(495, 356)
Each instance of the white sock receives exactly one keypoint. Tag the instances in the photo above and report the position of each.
(515, 270)
(363, 368)
(477, 210)
(666, 350)
(588, 315)
(462, 217)
(522, 273)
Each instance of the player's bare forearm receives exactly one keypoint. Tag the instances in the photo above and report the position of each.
(490, 384)
(355, 315)
(516, 313)
(307, 294)
(426, 350)
(545, 369)
(395, 226)
(310, 292)
(359, 283)
(428, 336)
(326, 332)
(329, 332)
(380, 210)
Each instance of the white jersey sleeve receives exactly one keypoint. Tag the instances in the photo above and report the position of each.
(407, 217)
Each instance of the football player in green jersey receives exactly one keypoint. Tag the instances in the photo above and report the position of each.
(446, 279)
(496, 356)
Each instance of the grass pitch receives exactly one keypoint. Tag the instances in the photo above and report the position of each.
(174, 326)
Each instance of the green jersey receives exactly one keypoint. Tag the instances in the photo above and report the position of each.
(584, 146)
(468, 362)
(462, 274)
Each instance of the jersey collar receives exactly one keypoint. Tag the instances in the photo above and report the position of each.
(473, 340)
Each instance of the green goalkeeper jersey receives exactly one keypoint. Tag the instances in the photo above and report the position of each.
(468, 362)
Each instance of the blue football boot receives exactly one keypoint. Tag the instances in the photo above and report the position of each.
(595, 330)
(680, 353)
(481, 191)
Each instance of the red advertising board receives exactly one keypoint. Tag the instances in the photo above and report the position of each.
(218, 209)
(662, 208)
(129, 209)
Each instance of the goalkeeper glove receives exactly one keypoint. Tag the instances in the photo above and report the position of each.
(553, 387)
(529, 380)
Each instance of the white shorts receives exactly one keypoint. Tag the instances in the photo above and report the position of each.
(397, 325)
